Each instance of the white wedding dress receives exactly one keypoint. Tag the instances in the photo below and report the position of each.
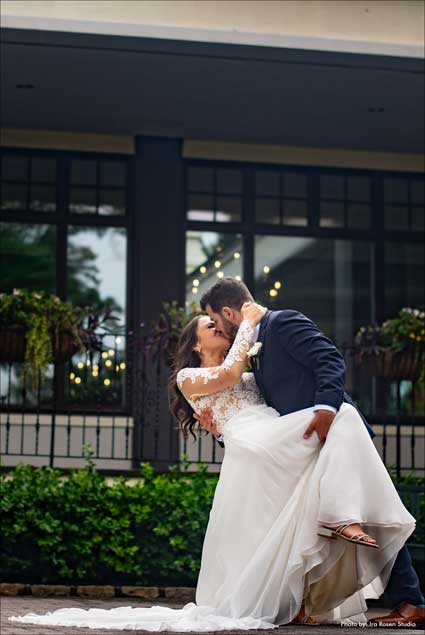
(262, 555)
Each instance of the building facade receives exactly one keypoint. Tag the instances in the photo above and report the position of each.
(149, 148)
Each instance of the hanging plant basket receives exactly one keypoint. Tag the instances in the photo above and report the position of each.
(394, 366)
(12, 344)
(64, 346)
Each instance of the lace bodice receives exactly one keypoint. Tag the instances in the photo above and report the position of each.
(224, 402)
(228, 402)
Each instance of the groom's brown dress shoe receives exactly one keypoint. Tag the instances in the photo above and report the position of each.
(302, 619)
(404, 614)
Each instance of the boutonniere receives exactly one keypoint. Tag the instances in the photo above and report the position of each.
(254, 354)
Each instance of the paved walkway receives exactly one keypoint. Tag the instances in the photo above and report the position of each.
(27, 604)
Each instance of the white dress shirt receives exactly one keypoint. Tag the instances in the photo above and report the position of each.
(316, 406)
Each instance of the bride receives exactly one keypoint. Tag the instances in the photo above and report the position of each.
(271, 553)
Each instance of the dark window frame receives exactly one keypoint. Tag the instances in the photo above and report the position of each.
(61, 219)
(376, 234)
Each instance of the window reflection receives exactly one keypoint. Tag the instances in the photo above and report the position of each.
(327, 280)
(209, 257)
(28, 257)
(404, 276)
(97, 267)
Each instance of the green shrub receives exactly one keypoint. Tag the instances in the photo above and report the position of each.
(78, 529)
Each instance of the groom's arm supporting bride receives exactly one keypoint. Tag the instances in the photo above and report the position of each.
(308, 346)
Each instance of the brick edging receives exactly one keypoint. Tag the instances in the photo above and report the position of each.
(185, 594)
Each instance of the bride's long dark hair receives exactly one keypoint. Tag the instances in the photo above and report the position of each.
(185, 357)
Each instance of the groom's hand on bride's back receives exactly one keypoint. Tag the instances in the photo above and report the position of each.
(320, 424)
(207, 422)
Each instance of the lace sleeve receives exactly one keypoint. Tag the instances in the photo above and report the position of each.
(195, 382)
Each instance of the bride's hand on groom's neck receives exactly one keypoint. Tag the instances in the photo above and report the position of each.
(253, 313)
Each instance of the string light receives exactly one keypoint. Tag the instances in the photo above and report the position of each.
(277, 285)
(95, 367)
(122, 365)
(104, 354)
(195, 283)
(118, 340)
(108, 363)
(194, 289)
(80, 365)
(266, 269)
(117, 368)
(203, 269)
(273, 293)
(88, 362)
(95, 373)
(220, 274)
(106, 382)
(217, 264)
(236, 255)
(111, 352)
(72, 376)
(238, 278)
(78, 380)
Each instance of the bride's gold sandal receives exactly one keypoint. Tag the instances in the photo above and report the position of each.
(359, 539)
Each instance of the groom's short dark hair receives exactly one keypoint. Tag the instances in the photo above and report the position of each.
(226, 292)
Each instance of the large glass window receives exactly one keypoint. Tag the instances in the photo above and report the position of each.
(95, 256)
(209, 257)
(86, 263)
(327, 280)
(404, 276)
(27, 257)
(97, 267)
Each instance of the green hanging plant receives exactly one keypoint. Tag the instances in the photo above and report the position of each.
(39, 329)
(38, 349)
(394, 349)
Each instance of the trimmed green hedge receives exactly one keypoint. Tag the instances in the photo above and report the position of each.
(77, 529)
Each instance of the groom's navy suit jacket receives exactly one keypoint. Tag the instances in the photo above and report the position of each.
(298, 366)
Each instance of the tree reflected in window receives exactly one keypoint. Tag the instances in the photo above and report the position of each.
(97, 267)
(28, 257)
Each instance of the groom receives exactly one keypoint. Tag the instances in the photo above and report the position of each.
(297, 367)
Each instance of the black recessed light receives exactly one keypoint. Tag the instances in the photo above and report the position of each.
(28, 86)
(376, 109)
